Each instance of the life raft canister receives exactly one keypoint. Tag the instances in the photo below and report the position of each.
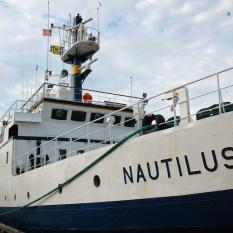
(147, 122)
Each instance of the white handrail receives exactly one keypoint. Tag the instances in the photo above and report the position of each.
(87, 125)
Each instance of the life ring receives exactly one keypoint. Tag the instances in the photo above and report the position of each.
(87, 97)
(147, 122)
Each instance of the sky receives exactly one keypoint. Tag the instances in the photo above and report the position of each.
(159, 43)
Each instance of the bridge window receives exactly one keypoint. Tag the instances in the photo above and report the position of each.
(62, 154)
(59, 114)
(80, 152)
(117, 120)
(129, 122)
(13, 131)
(95, 116)
(78, 116)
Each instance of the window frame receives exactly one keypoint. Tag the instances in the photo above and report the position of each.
(83, 115)
(128, 123)
(53, 114)
(101, 121)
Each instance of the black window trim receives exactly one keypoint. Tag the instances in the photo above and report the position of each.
(55, 117)
(101, 121)
(81, 112)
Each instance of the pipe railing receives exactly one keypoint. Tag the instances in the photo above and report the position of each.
(108, 134)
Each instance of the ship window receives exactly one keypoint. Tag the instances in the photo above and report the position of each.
(59, 114)
(28, 195)
(117, 120)
(80, 152)
(13, 131)
(15, 197)
(129, 122)
(17, 170)
(7, 155)
(78, 116)
(95, 116)
(62, 154)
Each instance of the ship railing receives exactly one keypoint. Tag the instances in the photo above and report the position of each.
(56, 91)
(65, 92)
(83, 34)
(17, 106)
(215, 89)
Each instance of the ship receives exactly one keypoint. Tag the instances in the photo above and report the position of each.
(75, 159)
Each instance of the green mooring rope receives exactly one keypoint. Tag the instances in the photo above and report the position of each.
(62, 185)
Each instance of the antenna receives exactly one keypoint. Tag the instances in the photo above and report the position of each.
(27, 91)
(22, 74)
(32, 81)
(98, 16)
(36, 72)
(47, 65)
(131, 87)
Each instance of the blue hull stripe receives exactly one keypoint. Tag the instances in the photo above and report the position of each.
(214, 209)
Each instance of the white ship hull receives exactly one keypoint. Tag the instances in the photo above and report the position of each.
(176, 178)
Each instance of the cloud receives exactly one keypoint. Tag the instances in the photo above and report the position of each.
(159, 43)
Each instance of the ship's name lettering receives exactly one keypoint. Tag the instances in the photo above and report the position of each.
(179, 166)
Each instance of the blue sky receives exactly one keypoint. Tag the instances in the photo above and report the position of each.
(160, 43)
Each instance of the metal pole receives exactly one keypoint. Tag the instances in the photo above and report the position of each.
(69, 33)
(22, 74)
(219, 96)
(70, 144)
(174, 106)
(98, 16)
(88, 139)
(131, 88)
(47, 69)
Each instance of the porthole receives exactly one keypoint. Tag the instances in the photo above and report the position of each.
(28, 195)
(5, 198)
(15, 197)
(96, 181)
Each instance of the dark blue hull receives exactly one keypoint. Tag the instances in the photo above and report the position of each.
(206, 210)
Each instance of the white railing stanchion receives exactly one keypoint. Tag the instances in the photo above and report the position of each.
(27, 163)
(174, 106)
(87, 136)
(55, 149)
(110, 133)
(220, 101)
(71, 140)
(44, 157)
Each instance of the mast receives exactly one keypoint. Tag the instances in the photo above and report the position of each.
(47, 63)
(82, 43)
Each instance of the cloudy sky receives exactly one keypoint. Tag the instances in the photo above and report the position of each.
(160, 43)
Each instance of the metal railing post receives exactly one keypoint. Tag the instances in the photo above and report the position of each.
(71, 144)
(44, 155)
(139, 120)
(55, 150)
(27, 162)
(110, 133)
(88, 139)
(43, 93)
(220, 102)
(174, 107)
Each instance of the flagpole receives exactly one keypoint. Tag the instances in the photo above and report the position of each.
(47, 67)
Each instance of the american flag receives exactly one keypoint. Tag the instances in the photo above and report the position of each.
(47, 32)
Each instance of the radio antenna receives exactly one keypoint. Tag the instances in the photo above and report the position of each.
(98, 16)
(22, 74)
